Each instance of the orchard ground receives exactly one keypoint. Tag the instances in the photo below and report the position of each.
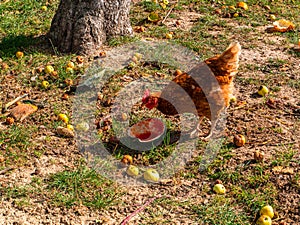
(44, 177)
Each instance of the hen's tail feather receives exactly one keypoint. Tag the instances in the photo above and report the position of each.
(227, 63)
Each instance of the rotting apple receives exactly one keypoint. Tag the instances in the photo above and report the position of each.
(239, 140)
(127, 159)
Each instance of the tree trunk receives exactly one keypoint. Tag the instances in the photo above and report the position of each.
(81, 26)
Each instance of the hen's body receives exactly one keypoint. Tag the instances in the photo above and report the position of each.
(204, 91)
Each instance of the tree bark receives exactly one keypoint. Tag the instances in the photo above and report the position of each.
(82, 26)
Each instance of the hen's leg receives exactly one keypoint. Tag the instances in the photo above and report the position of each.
(194, 133)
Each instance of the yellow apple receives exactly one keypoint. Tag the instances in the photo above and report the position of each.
(263, 90)
(236, 15)
(71, 64)
(49, 69)
(70, 127)
(233, 99)
(63, 117)
(272, 17)
(19, 54)
(242, 5)
(267, 210)
(219, 189)
(151, 175)
(45, 84)
(44, 8)
(132, 171)
(169, 36)
(264, 220)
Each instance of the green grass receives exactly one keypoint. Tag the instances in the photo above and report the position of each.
(81, 186)
(220, 211)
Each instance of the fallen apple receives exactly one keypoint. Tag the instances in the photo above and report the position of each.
(233, 99)
(19, 54)
(83, 126)
(242, 5)
(54, 74)
(151, 175)
(127, 159)
(267, 210)
(70, 127)
(63, 117)
(264, 220)
(263, 90)
(177, 72)
(45, 84)
(71, 64)
(219, 189)
(258, 156)
(44, 8)
(132, 171)
(9, 120)
(49, 69)
(239, 140)
(169, 36)
(79, 59)
(69, 70)
(272, 17)
(236, 15)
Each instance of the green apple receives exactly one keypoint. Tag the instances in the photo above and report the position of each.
(267, 210)
(219, 189)
(83, 126)
(263, 90)
(264, 220)
(49, 69)
(132, 171)
(151, 175)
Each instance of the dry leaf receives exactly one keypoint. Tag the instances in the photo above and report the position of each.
(65, 132)
(21, 111)
(288, 170)
(283, 25)
(277, 169)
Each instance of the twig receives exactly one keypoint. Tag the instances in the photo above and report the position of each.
(138, 210)
(4, 109)
(170, 10)
(6, 170)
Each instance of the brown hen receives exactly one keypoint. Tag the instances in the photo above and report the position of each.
(205, 90)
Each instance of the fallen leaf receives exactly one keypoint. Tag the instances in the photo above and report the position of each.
(283, 25)
(65, 132)
(21, 111)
